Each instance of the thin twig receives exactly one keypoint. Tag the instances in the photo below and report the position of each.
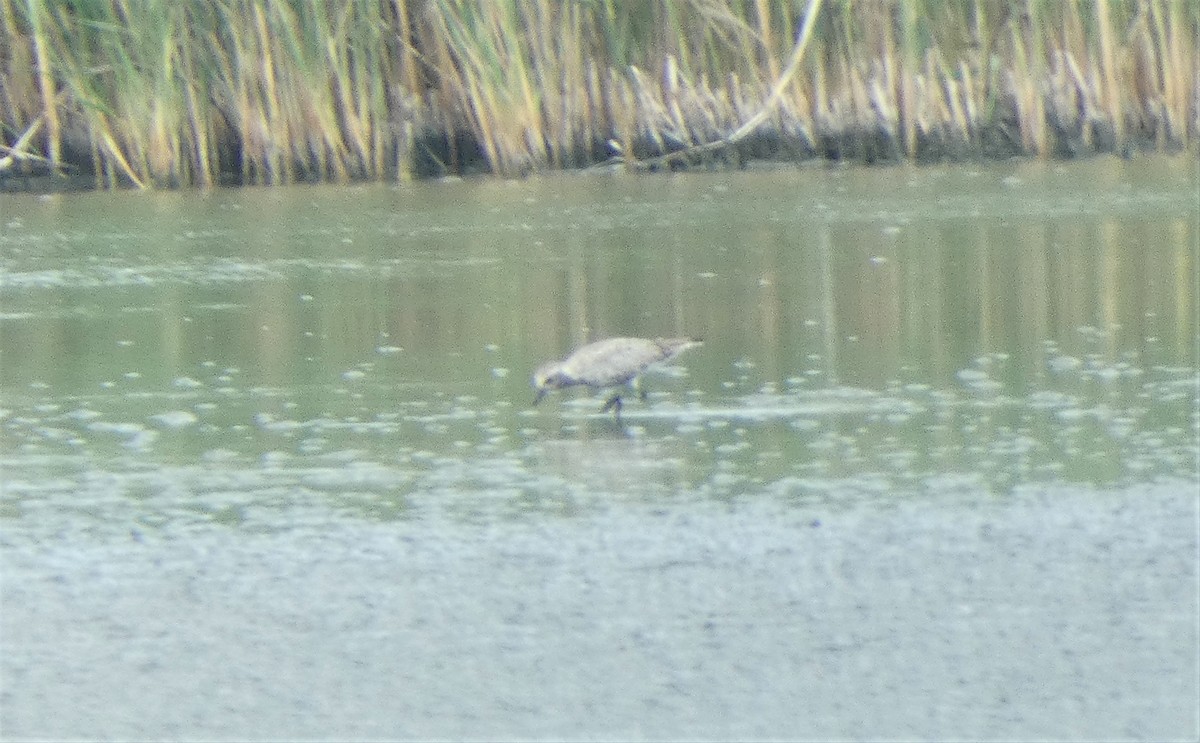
(785, 79)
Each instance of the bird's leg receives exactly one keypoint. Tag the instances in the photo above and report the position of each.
(639, 388)
(614, 404)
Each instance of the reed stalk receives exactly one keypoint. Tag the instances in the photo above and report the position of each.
(45, 83)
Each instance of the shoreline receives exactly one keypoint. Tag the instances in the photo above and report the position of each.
(767, 151)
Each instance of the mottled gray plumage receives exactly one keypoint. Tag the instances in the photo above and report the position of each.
(608, 363)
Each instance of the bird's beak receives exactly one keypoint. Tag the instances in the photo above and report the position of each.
(540, 394)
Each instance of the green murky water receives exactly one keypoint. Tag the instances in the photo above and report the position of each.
(932, 474)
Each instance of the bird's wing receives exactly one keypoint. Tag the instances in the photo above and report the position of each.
(613, 361)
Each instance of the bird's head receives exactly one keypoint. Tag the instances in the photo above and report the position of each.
(547, 377)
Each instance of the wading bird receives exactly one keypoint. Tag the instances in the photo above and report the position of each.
(614, 362)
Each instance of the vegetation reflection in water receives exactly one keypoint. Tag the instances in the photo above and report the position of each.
(260, 358)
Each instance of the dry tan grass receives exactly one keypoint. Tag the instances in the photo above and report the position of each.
(273, 91)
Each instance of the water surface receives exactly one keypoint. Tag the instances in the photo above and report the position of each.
(270, 466)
